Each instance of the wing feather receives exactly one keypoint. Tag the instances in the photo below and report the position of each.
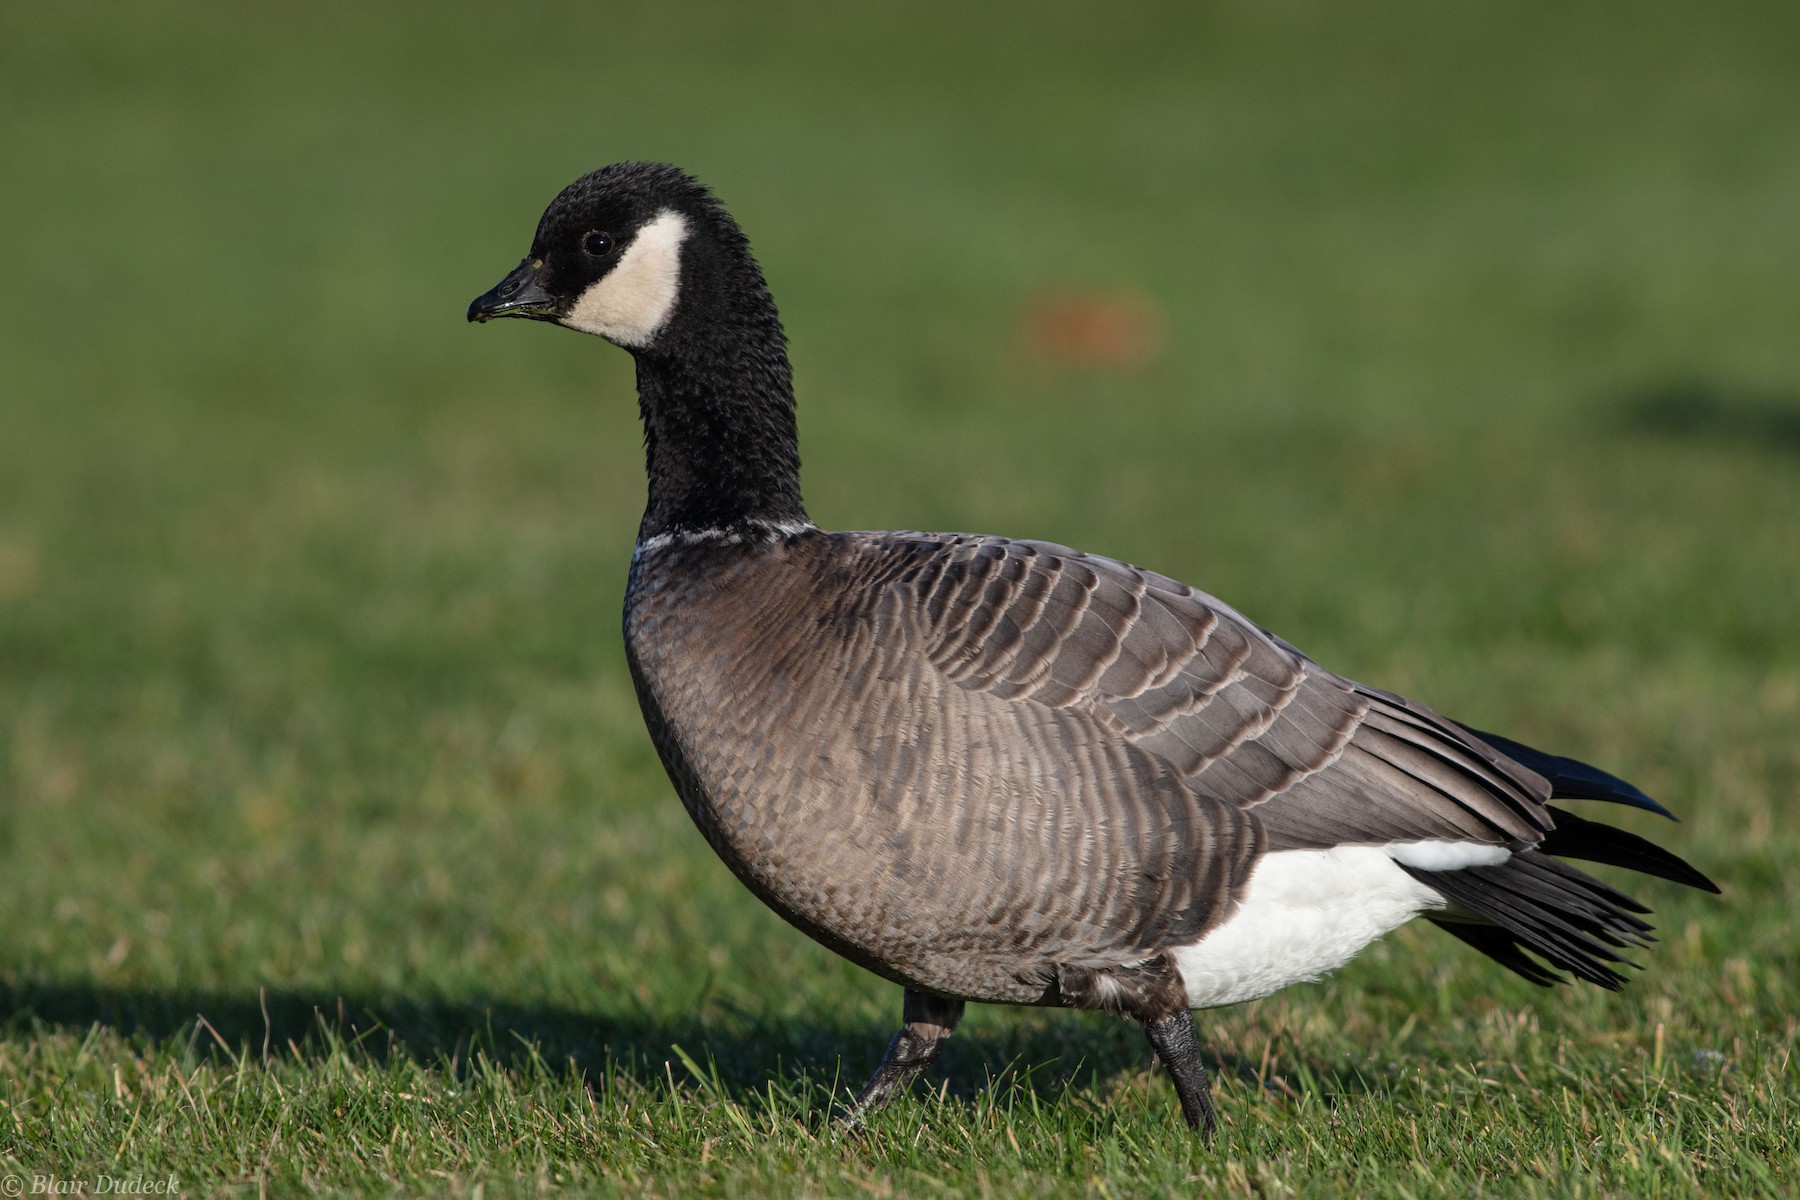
(1244, 718)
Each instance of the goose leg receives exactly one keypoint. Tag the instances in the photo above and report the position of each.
(1173, 1038)
(927, 1021)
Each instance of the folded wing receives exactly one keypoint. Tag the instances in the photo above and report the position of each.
(1243, 718)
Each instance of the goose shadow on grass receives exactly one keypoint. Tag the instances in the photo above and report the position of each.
(1697, 410)
(1057, 1052)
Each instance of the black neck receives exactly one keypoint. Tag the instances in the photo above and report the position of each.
(717, 401)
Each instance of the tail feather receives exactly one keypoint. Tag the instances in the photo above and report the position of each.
(1536, 904)
(1572, 778)
(1590, 841)
(1580, 891)
(1503, 948)
(1561, 914)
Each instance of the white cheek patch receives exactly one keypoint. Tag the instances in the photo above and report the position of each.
(634, 299)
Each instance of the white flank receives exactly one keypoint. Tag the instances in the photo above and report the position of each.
(1447, 856)
(632, 302)
(1308, 912)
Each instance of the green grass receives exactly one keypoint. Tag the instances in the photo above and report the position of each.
(333, 856)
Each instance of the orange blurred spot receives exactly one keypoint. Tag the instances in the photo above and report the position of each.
(1121, 331)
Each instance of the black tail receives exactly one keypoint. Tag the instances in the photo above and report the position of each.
(1572, 779)
(1590, 841)
(1537, 903)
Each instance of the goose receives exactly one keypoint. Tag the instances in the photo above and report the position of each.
(1006, 771)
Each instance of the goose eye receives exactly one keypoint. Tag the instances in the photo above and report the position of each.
(597, 244)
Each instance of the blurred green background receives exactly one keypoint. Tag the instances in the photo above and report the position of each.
(1478, 377)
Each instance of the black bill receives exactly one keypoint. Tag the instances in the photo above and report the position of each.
(520, 294)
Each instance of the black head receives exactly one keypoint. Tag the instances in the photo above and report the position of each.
(644, 256)
(612, 253)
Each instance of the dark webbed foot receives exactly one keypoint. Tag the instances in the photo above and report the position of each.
(1173, 1037)
(928, 1020)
